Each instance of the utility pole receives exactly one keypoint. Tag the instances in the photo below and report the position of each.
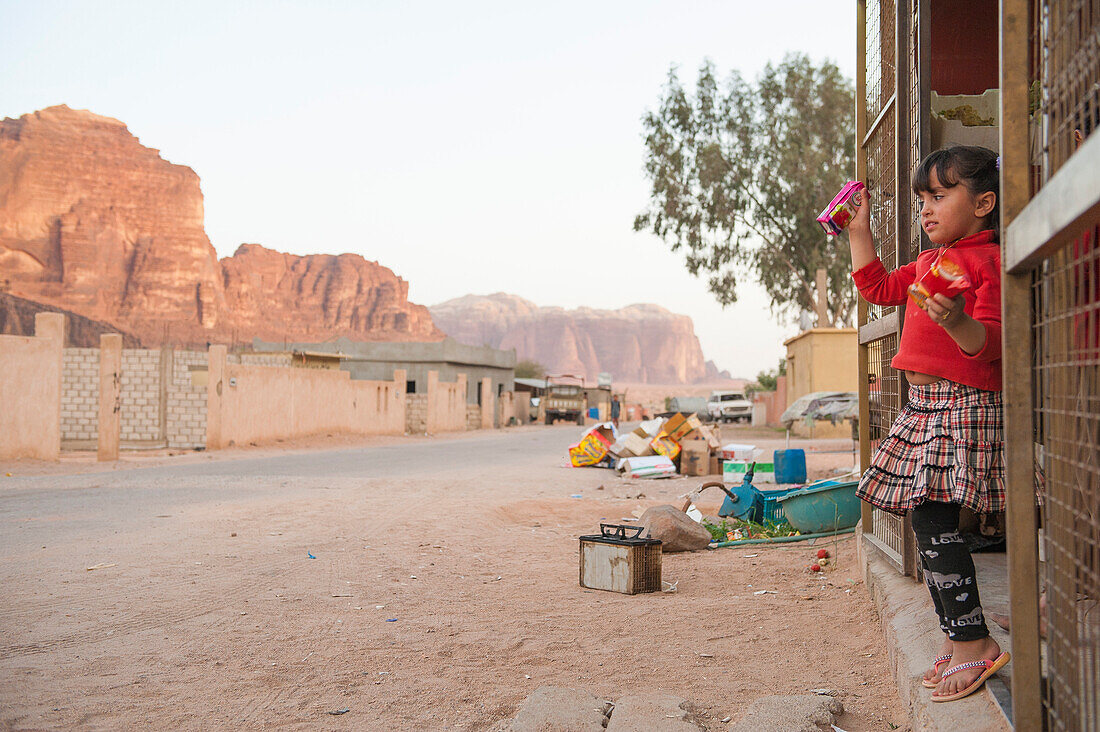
(823, 320)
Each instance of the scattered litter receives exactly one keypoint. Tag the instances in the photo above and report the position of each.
(310, 555)
(391, 620)
(346, 594)
(669, 586)
(837, 729)
(527, 676)
(749, 556)
(383, 673)
(726, 719)
(338, 712)
(233, 534)
(825, 692)
(379, 607)
(101, 566)
(765, 592)
(244, 613)
(412, 576)
(576, 495)
(706, 655)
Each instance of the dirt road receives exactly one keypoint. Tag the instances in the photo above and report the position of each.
(421, 584)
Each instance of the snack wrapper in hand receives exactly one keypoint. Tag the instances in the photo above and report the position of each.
(842, 209)
(944, 277)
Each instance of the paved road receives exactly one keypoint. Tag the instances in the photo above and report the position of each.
(44, 510)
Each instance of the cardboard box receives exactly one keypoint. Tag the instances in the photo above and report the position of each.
(633, 445)
(739, 451)
(733, 471)
(695, 458)
(710, 434)
(715, 464)
(678, 426)
(592, 448)
(664, 445)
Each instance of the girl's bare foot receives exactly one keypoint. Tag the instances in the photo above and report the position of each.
(962, 652)
(932, 676)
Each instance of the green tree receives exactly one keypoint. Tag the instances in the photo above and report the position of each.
(768, 380)
(739, 172)
(528, 369)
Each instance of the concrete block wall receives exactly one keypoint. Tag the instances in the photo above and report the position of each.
(186, 403)
(473, 417)
(416, 414)
(79, 393)
(140, 397)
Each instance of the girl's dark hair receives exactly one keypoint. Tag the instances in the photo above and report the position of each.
(974, 167)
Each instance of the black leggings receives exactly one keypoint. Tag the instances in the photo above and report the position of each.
(949, 571)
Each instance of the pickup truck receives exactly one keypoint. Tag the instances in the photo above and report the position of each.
(729, 406)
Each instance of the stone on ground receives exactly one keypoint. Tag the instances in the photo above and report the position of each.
(651, 713)
(558, 709)
(791, 713)
(676, 530)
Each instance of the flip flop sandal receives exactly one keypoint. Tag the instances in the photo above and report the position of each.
(990, 667)
(940, 660)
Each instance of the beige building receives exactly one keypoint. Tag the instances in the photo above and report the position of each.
(821, 359)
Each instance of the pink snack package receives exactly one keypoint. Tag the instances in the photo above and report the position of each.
(840, 211)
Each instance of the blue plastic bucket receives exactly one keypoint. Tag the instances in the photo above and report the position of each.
(790, 466)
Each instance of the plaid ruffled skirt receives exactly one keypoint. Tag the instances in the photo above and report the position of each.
(946, 445)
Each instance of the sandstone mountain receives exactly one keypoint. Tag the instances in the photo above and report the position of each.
(638, 343)
(94, 222)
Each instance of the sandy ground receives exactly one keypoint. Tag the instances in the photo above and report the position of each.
(434, 597)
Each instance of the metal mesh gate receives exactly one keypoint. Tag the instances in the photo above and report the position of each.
(1067, 413)
(1064, 111)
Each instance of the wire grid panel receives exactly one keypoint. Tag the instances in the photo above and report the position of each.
(881, 176)
(1067, 405)
(1071, 76)
(879, 33)
(908, 231)
(884, 394)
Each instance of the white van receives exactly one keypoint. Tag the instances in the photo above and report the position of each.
(729, 406)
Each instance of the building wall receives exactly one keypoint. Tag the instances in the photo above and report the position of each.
(187, 400)
(416, 414)
(79, 393)
(822, 359)
(473, 417)
(173, 413)
(266, 403)
(30, 391)
(446, 404)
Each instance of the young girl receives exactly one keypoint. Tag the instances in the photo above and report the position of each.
(945, 450)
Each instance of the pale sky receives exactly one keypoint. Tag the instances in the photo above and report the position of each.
(471, 147)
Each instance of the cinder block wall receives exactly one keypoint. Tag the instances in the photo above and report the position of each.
(79, 393)
(186, 403)
(416, 414)
(473, 417)
(140, 397)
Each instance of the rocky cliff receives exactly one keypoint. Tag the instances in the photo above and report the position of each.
(96, 223)
(639, 343)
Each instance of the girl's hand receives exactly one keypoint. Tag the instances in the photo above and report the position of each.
(861, 222)
(945, 311)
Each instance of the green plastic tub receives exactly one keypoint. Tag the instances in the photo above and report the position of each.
(824, 506)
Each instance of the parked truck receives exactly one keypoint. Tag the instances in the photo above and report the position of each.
(729, 406)
(564, 399)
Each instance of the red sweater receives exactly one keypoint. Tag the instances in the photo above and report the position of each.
(925, 346)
